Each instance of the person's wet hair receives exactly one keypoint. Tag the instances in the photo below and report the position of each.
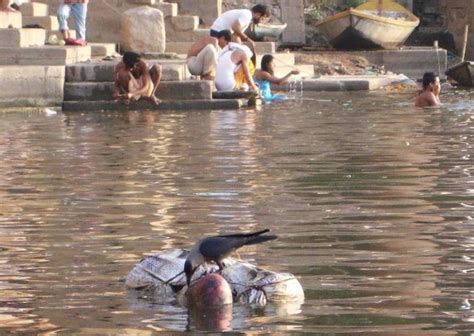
(261, 9)
(226, 34)
(265, 63)
(429, 78)
(130, 58)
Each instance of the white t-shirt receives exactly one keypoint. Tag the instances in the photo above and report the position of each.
(227, 19)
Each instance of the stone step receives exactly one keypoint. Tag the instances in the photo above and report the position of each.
(184, 36)
(104, 71)
(34, 9)
(46, 22)
(45, 55)
(31, 86)
(171, 90)
(21, 38)
(72, 34)
(102, 49)
(182, 23)
(168, 8)
(183, 47)
(280, 59)
(142, 104)
(306, 70)
(10, 20)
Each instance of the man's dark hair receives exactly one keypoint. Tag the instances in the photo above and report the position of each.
(428, 78)
(262, 9)
(226, 34)
(130, 58)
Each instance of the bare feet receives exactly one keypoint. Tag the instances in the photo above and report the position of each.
(154, 100)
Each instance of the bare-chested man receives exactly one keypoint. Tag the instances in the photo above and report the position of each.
(133, 79)
(429, 96)
(202, 58)
(5, 6)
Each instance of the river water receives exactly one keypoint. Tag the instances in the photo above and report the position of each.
(372, 199)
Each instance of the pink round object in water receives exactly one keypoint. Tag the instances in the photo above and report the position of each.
(210, 290)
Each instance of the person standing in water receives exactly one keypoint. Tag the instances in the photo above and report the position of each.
(429, 96)
(266, 76)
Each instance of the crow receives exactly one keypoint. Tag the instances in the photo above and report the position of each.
(218, 248)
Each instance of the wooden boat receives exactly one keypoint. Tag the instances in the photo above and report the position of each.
(463, 73)
(374, 24)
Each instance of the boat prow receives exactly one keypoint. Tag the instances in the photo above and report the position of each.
(363, 28)
(463, 73)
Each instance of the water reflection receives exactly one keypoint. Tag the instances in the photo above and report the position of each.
(372, 200)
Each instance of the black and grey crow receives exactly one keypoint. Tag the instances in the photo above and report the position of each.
(218, 248)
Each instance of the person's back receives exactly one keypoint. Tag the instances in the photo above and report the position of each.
(225, 80)
(227, 20)
(429, 96)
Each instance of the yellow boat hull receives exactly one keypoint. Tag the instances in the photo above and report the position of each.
(359, 29)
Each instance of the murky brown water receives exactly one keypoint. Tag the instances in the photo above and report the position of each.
(373, 201)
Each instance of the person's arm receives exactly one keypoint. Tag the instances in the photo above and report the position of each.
(432, 100)
(275, 80)
(116, 91)
(245, 66)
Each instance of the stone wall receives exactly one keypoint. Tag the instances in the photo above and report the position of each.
(460, 13)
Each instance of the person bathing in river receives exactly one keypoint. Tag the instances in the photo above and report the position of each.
(429, 96)
(133, 79)
(266, 76)
(202, 58)
(233, 71)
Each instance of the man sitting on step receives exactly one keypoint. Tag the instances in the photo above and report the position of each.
(238, 20)
(79, 11)
(202, 58)
(133, 79)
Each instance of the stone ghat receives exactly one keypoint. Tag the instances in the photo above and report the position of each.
(89, 86)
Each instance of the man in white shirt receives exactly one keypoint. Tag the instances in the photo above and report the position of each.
(238, 20)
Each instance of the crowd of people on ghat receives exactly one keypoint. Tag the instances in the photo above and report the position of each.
(227, 57)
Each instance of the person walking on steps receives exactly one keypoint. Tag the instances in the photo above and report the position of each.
(79, 12)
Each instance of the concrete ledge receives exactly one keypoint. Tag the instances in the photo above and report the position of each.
(182, 23)
(344, 83)
(45, 55)
(172, 90)
(189, 105)
(10, 20)
(104, 71)
(34, 9)
(102, 49)
(183, 47)
(168, 8)
(46, 22)
(31, 86)
(20, 38)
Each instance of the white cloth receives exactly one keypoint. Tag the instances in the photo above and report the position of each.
(204, 63)
(227, 19)
(225, 80)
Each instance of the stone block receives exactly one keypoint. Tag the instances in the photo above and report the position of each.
(20, 38)
(182, 105)
(206, 10)
(46, 22)
(172, 90)
(182, 23)
(104, 71)
(142, 2)
(34, 9)
(45, 55)
(182, 47)
(31, 86)
(168, 9)
(10, 20)
(184, 36)
(292, 12)
(72, 34)
(306, 70)
(102, 49)
(143, 29)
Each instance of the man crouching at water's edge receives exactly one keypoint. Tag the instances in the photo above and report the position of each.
(133, 79)
(429, 96)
